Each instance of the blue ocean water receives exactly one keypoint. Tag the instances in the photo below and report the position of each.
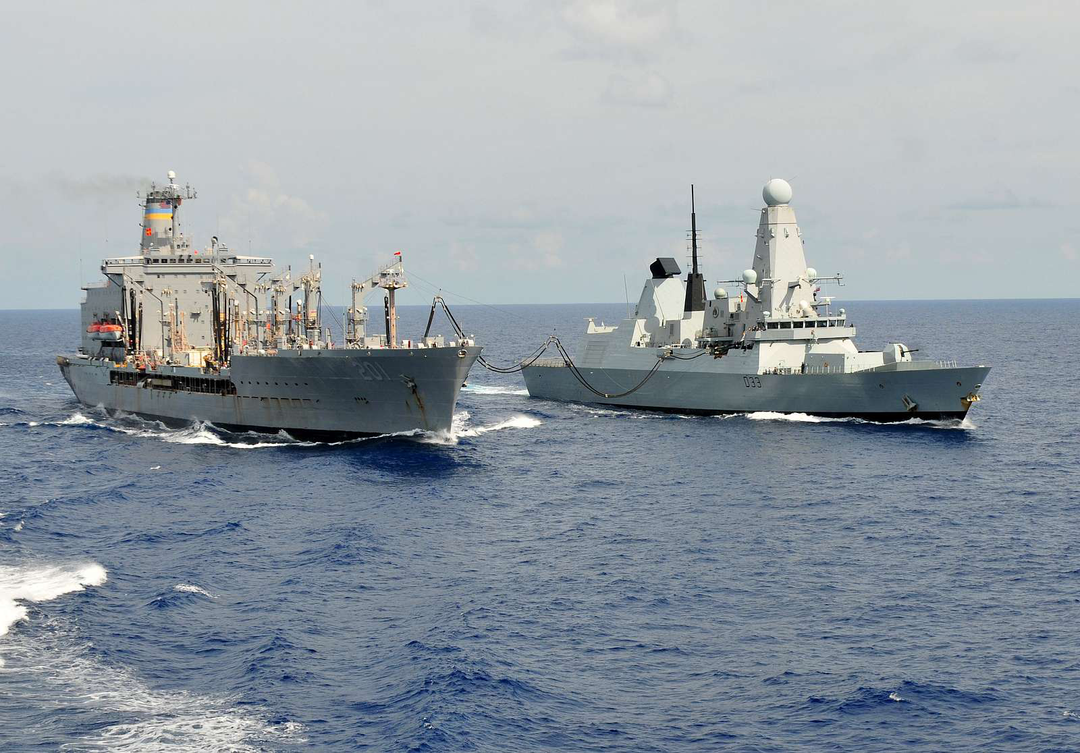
(553, 577)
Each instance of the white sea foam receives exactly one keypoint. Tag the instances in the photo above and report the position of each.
(514, 422)
(37, 583)
(19, 526)
(190, 589)
(767, 415)
(138, 717)
(894, 696)
(808, 419)
(76, 419)
(57, 669)
(597, 412)
(196, 434)
(201, 433)
(485, 389)
(460, 428)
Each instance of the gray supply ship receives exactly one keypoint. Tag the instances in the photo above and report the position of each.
(180, 334)
(771, 345)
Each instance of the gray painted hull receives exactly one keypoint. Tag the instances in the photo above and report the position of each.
(322, 394)
(876, 395)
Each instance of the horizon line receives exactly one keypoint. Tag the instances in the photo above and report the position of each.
(623, 303)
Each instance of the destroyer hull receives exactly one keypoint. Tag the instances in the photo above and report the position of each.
(877, 395)
(317, 394)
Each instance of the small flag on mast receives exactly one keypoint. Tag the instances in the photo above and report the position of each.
(397, 253)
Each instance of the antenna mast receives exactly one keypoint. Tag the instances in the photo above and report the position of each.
(695, 283)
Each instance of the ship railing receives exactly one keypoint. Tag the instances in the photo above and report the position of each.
(903, 366)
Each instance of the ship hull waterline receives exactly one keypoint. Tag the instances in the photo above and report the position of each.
(321, 395)
(885, 396)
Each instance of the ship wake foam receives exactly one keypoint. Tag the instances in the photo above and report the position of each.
(38, 583)
(200, 432)
(188, 588)
(800, 418)
(55, 667)
(205, 433)
(485, 389)
(460, 429)
(805, 418)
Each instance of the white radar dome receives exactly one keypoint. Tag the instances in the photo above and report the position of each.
(719, 294)
(749, 276)
(777, 191)
(811, 273)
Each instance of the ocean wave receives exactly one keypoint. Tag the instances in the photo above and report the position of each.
(191, 589)
(806, 418)
(38, 583)
(128, 714)
(485, 389)
(198, 433)
(514, 422)
(802, 418)
(205, 433)
(460, 428)
(64, 671)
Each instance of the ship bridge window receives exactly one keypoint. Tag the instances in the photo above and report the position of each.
(785, 325)
(798, 325)
(773, 325)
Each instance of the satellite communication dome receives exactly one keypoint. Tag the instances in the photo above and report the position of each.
(749, 276)
(719, 294)
(777, 191)
(811, 273)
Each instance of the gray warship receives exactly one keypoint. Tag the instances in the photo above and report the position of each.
(771, 345)
(179, 334)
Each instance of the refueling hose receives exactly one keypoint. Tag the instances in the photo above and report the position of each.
(567, 360)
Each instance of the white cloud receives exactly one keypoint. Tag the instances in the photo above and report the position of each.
(268, 216)
(900, 252)
(543, 252)
(463, 256)
(645, 89)
(620, 25)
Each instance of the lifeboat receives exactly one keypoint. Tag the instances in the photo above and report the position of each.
(112, 332)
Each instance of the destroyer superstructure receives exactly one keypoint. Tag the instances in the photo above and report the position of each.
(773, 345)
(181, 334)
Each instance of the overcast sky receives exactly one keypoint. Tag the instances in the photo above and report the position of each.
(538, 151)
